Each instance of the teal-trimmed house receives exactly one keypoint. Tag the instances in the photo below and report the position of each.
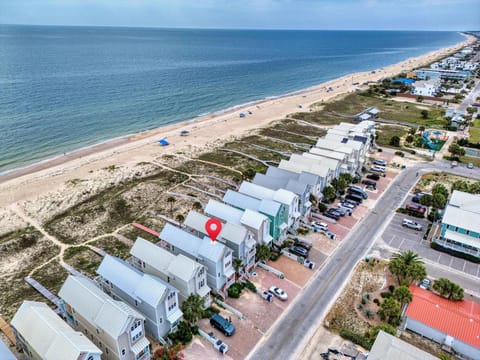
(275, 211)
(460, 226)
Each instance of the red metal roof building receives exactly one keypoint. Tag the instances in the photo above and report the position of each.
(453, 323)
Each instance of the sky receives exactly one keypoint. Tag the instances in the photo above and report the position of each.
(250, 14)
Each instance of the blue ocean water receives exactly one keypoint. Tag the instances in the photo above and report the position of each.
(63, 88)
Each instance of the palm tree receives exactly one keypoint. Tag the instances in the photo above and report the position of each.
(197, 205)
(389, 310)
(403, 295)
(180, 218)
(171, 200)
(448, 289)
(237, 265)
(408, 257)
(263, 252)
(407, 267)
(192, 308)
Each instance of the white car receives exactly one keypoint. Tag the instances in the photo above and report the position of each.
(281, 294)
(377, 168)
(469, 166)
(411, 224)
(425, 284)
(320, 225)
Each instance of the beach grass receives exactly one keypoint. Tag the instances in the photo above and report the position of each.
(113, 246)
(83, 259)
(386, 132)
(51, 276)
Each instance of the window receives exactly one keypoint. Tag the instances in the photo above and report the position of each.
(136, 303)
(131, 329)
(143, 263)
(168, 278)
(98, 332)
(76, 323)
(160, 320)
(106, 350)
(123, 352)
(468, 232)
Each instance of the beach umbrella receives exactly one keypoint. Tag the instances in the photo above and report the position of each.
(242, 115)
(163, 142)
(184, 133)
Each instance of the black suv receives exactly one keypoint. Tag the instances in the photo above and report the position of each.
(299, 251)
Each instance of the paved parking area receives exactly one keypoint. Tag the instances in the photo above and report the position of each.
(399, 237)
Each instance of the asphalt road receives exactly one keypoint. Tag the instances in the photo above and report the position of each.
(287, 339)
(309, 308)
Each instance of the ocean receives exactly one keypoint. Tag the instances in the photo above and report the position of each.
(63, 88)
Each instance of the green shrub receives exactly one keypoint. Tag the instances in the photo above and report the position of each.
(400, 153)
(250, 286)
(356, 338)
(364, 301)
(459, 254)
(235, 290)
(208, 313)
(376, 301)
(385, 294)
(391, 288)
(322, 207)
(183, 334)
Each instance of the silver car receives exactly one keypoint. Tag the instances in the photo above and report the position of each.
(411, 224)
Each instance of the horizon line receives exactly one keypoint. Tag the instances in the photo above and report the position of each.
(232, 28)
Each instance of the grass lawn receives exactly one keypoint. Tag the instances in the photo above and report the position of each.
(474, 132)
(385, 133)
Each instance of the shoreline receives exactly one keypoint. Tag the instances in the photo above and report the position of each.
(223, 123)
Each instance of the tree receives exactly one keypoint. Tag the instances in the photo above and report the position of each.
(403, 295)
(237, 265)
(412, 131)
(180, 218)
(409, 138)
(461, 185)
(169, 353)
(456, 149)
(329, 193)
(424, 114)
(439, 201)
(389, 310)
(193, 308)
(347, 177)
(419, 98)
(339, 184)
(407, 267)
(183, 334)
(440, 189)
(395, 141)
(426, 200)
(197, 205)
(371, 335)
(448, 289)
(421, 128)
(263, 252)
(171, 200)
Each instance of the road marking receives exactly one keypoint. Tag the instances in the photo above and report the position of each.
(464, 264)
(451, 261)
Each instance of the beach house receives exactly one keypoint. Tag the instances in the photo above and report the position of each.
(453, 324)
(113, 326)
(236, 237)
(184, 274)
(426, 87)
(301, 189)
(216, 257)
(460, 226)
(275, 211)
(345, 165)
(313, 181)
(352, 155)
(155, 299)
(258, 224)
(43, 335)
(389, 347)
(322, 173)
(288, 198)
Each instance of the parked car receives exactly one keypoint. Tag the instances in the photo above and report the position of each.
(380, 162)
(416, 198)
(343, 211)
(336, 211)
(222, 324)
(469, 166)
(267, 296)
(304, 244)
(411, 224)
(354, 197)
(425, 284)
(280, 293)
(298, 250)
(370, 183)
(357, 191)
(320, 225)
(373, 176)
(344, 205)
(349, 203)
(417, 208)
(331, 215)
(377, 168)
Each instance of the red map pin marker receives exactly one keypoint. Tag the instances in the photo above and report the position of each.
(213, 228)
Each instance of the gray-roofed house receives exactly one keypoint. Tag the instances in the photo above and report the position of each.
(258, 224)
(149, 295)
(216, 257)
(114, 326)
(293, 185)
(460, 227)
(43, 335)
(236, 237)
(5, 353)
(288, 198)
(389, 347)
(313, 181)
(186, 275)
(276, 212)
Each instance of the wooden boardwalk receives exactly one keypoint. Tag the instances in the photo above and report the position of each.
(7, 330)
(43, 290)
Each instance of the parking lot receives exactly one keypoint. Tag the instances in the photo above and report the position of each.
(402, 238)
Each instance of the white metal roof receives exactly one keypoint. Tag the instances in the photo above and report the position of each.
(305, 165)
(389, 347)
(230, 232)
(191, 244)
(281, 173)
(324, 160)
(463, 210)
(356, 145)
(243, 201)
(329, 153)
(164, 261)
(139, 286)
(48, 334)
(256, 191)
(253, 219)
(224, 212)
(96, 307)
